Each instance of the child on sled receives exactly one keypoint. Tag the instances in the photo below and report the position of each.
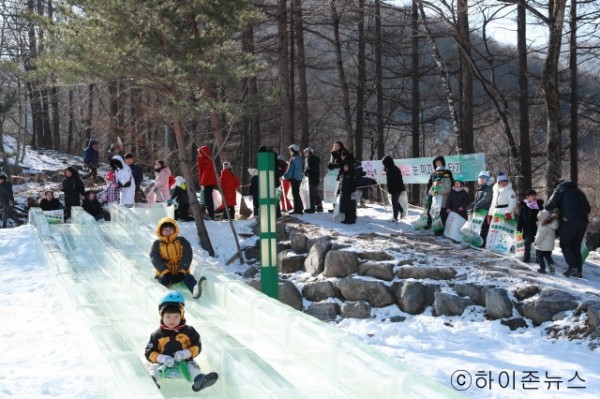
(175, 342)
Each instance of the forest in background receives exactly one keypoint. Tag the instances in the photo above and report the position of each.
(424, 79)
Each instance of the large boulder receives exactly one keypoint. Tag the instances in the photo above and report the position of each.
(593, 316)
(290, 261)
(374, 292)
(375, 256)
(411, 296)
(526, 292)
(497, 304)
(318, 291)
(325, 311)
(423, 272)
(340, 263)
(288, 293)
(298, 241)
(550, 302)
(315, 262)
(450, 304)
(381, 271)
(356, 310)
(475, 292)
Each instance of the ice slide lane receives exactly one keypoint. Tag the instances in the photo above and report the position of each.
(259, 347)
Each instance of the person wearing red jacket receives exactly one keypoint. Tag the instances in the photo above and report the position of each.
(229, 183)
(207, 178)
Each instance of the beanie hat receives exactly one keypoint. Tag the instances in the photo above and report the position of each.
(484, 173)
(309, 149)
(502, 177)
(252, 171)
(171, 307)
(543, 215)
(226, 165)
(294, 147)
(179, 180)
(110, 175)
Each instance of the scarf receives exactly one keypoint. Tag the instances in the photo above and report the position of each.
(532, 205)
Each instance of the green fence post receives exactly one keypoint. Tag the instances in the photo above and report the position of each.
(267, 201)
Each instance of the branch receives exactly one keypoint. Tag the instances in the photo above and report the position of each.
(529, 8)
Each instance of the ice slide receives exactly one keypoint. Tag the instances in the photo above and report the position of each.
(260, 347)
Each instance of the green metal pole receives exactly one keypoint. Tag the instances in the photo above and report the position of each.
(267, 202)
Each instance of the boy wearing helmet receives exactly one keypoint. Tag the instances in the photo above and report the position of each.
(175, 342)
(171, 256)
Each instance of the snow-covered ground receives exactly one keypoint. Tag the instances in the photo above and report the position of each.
(43, 354)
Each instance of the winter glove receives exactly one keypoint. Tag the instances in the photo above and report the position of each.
(169, 202)
(507, 216)
(166, 360)
(489, 219)
(182, 355)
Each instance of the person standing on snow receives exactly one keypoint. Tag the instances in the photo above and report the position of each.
(138, 175)
(573, 208)
(160, 190)
(294, 175)
(207, 178)
(180, 195)
(504, 200)
(124, 179)
(312, 172)
(395, 186)
(229, 183)
(528, 216)
(74, 190)
(91, 158)
(171, 256)
(7, 201)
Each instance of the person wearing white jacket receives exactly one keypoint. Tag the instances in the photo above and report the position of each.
(504, 200)
(544, 240)
(124, 179)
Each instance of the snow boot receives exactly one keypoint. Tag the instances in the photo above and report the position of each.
(204, 381)
(201, 286)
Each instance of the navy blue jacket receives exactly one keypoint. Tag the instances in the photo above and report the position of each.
(570, 201)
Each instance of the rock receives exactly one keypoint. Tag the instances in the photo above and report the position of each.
(375, 256)
(290, 262)
(374, 292)
(325, 311)
(356, 310)
(381, 271)
(411, 296)
(550, 302)
(288, 293)
(449, 304)
(252, 252)
(250, 272)
(528, 291)
(316, 292)
(340, 263)
(315, 262)
(560, 316)
(434, 273)
(593, 316)
(474, 292)
(395, 319)
(407, 262)
(514, 323)
(497, 304)
(583, 307)
(298, 241)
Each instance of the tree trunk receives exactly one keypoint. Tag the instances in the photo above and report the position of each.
(466, 134)
(415, 77)
(55, 118)
(251, 117)
(552, 94)
(216, 124)
(443, 70)
(186, 168)
(113, 109)
(287, 133)
(574, 95)
(335, 19)
(37, 129)
(299, 29)
(525, 148)
(71, 128)
(379, 81)
(361, 84)
(90, 112)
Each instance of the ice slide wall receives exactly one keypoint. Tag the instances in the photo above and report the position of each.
(260, 347)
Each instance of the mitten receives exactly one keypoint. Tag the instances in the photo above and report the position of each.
(182, 355)
(507, 216)
(166, 360)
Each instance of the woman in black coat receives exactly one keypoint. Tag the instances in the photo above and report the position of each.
(348, 192)
(73, 188)
(395, 185)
